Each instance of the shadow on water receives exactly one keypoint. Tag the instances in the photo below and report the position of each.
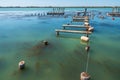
(37, 49)
(2, 64)
(40, 49)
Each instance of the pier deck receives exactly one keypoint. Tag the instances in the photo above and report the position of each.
(80, 19)
(75, 26)
(114, 14)
(72, 31)
(78, 26)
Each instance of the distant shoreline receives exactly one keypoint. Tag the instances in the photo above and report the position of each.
(59, 6)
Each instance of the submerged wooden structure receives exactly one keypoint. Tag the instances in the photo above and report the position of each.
(75, 26)
(82, 13)
(84, 76)
(72, 31)
(80, 19)
(57, 11)
(86, 25)
(77, 18)
(115, 12)
(21, 65)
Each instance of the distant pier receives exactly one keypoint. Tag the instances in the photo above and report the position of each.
(57, 11)
(115, 12)
(80, 19)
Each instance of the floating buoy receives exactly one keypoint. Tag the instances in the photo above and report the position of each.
(113, 18)
(21, 64)
(87, 48)
(90, 28)
(86, 20)
(45, 42)
(84, 38)
(86, 24)
(84, 76)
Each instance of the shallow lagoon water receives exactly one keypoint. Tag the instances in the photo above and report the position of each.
(64, 58)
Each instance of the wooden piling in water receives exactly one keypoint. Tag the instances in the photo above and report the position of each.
(84, 76)
(21, 65)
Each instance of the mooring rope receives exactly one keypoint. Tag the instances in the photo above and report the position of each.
(88, 55)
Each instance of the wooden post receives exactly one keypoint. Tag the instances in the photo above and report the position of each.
(57, 33)
(63, 27)
(45, 42)
(84, 76)
(87, 48)
(118, 9)
(21, 65)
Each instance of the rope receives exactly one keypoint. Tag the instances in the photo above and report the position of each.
(88, 55)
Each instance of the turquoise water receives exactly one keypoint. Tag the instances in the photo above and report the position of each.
(64, 58)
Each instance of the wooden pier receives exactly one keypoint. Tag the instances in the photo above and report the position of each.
(80, 19)
(76, 26)
(115, 12)
(72, 31)
(56, 11)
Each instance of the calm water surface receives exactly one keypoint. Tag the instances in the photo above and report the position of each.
(64, 58)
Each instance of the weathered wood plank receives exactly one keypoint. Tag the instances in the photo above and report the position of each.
(72, 31)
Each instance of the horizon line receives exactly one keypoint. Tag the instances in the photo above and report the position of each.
(59, 6)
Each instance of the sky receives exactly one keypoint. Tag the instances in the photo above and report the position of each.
(59, 2)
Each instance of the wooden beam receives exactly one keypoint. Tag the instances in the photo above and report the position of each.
(72, 31)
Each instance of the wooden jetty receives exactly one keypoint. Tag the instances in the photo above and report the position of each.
(56, 11)
(72, 31)
(82, 13)
(76, 26)
(115, 12)
(80, 19)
